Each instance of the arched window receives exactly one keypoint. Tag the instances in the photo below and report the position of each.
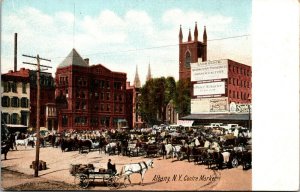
(188, 59)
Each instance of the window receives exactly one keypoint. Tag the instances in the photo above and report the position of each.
(116, 108)
(96, 107)
(14, 118)
(15, 102)
(23, 87)
(238, 95)
(14, 87)
(233, 81)
(5, 101)
(5, 118)
(188, 59)
(6, 87)
(102, 96)
(80, 120)
(83, 106)
(24, 118)
(107, 85)
(121, 108)
(108, 107)
(233, 94)
(102, 107)
(108, 96)
(24, 102)
(64, 121)
(77, 105)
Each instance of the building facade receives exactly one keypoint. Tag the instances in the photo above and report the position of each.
(89, 97)
(26, 79)
(190, 52)
(217, 84)
(15, 94)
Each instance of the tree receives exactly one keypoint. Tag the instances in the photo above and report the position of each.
(155, 96)
(183, 97)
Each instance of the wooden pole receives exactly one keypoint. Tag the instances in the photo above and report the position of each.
(37, 147)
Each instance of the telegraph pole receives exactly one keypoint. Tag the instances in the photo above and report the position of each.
(37, 147)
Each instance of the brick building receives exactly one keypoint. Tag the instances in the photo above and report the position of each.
(89, 97)
(217, 84)
(23, 79)
(190, 52)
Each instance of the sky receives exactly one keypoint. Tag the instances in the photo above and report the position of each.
(123, 35)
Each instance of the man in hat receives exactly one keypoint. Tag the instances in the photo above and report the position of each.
(111, 167)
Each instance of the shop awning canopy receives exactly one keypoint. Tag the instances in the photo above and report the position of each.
(219, 116)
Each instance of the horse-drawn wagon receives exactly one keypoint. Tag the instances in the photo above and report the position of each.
(86, 174)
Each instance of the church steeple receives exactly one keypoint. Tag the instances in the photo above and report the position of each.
(149, 73)
(190, 36)
(180, 35)
(204, 36)
(137, 82)
(196, 32)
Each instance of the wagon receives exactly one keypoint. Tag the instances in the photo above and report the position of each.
(83, 177)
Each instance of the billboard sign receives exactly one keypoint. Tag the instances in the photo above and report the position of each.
(209, 70)
(209, 105)
(213, 88)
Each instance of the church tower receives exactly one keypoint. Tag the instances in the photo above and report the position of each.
(190, 51)
(149, 74)
(137, 82)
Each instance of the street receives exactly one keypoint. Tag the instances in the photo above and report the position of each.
(166, 174)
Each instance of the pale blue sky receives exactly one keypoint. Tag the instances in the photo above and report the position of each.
(118, 34)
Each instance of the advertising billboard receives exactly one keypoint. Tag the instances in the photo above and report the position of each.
(209, 105)
(209, 70)
(213, 88)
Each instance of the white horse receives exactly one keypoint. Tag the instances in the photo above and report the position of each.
(110, 147)
(22, 142)
(140, 168)
(169, 150)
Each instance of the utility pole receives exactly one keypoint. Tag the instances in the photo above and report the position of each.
(37, 147)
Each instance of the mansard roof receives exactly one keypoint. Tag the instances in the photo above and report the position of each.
(73, 59)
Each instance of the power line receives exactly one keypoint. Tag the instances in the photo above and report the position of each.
(154, 47)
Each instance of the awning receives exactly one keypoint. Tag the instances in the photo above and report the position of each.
(15, 126)
(219, 116)
(185, 123)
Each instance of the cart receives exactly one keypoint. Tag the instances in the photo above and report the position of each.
(84, 177)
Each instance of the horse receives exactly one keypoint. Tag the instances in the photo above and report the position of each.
(67, 144)
(140, 168)
(81, 143)
(5, 146)
(169, 150)
(22, 142)
(111, 148)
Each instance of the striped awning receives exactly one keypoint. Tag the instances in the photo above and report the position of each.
(219, 116)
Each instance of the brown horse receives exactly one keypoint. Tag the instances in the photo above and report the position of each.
(5, 146)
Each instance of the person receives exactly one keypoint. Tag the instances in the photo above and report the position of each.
(111, 167)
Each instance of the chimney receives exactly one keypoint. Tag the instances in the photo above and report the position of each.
(87, 60)
(15, 56)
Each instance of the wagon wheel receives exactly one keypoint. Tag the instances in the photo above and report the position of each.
(113, 182)
(82, 180)
(234, 162)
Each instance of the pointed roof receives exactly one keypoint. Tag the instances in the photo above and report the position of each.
(149, 73)
(137, 82)
(190, 36)
(73, 59)
(204, 35)
(196, 32)
(180, 34)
